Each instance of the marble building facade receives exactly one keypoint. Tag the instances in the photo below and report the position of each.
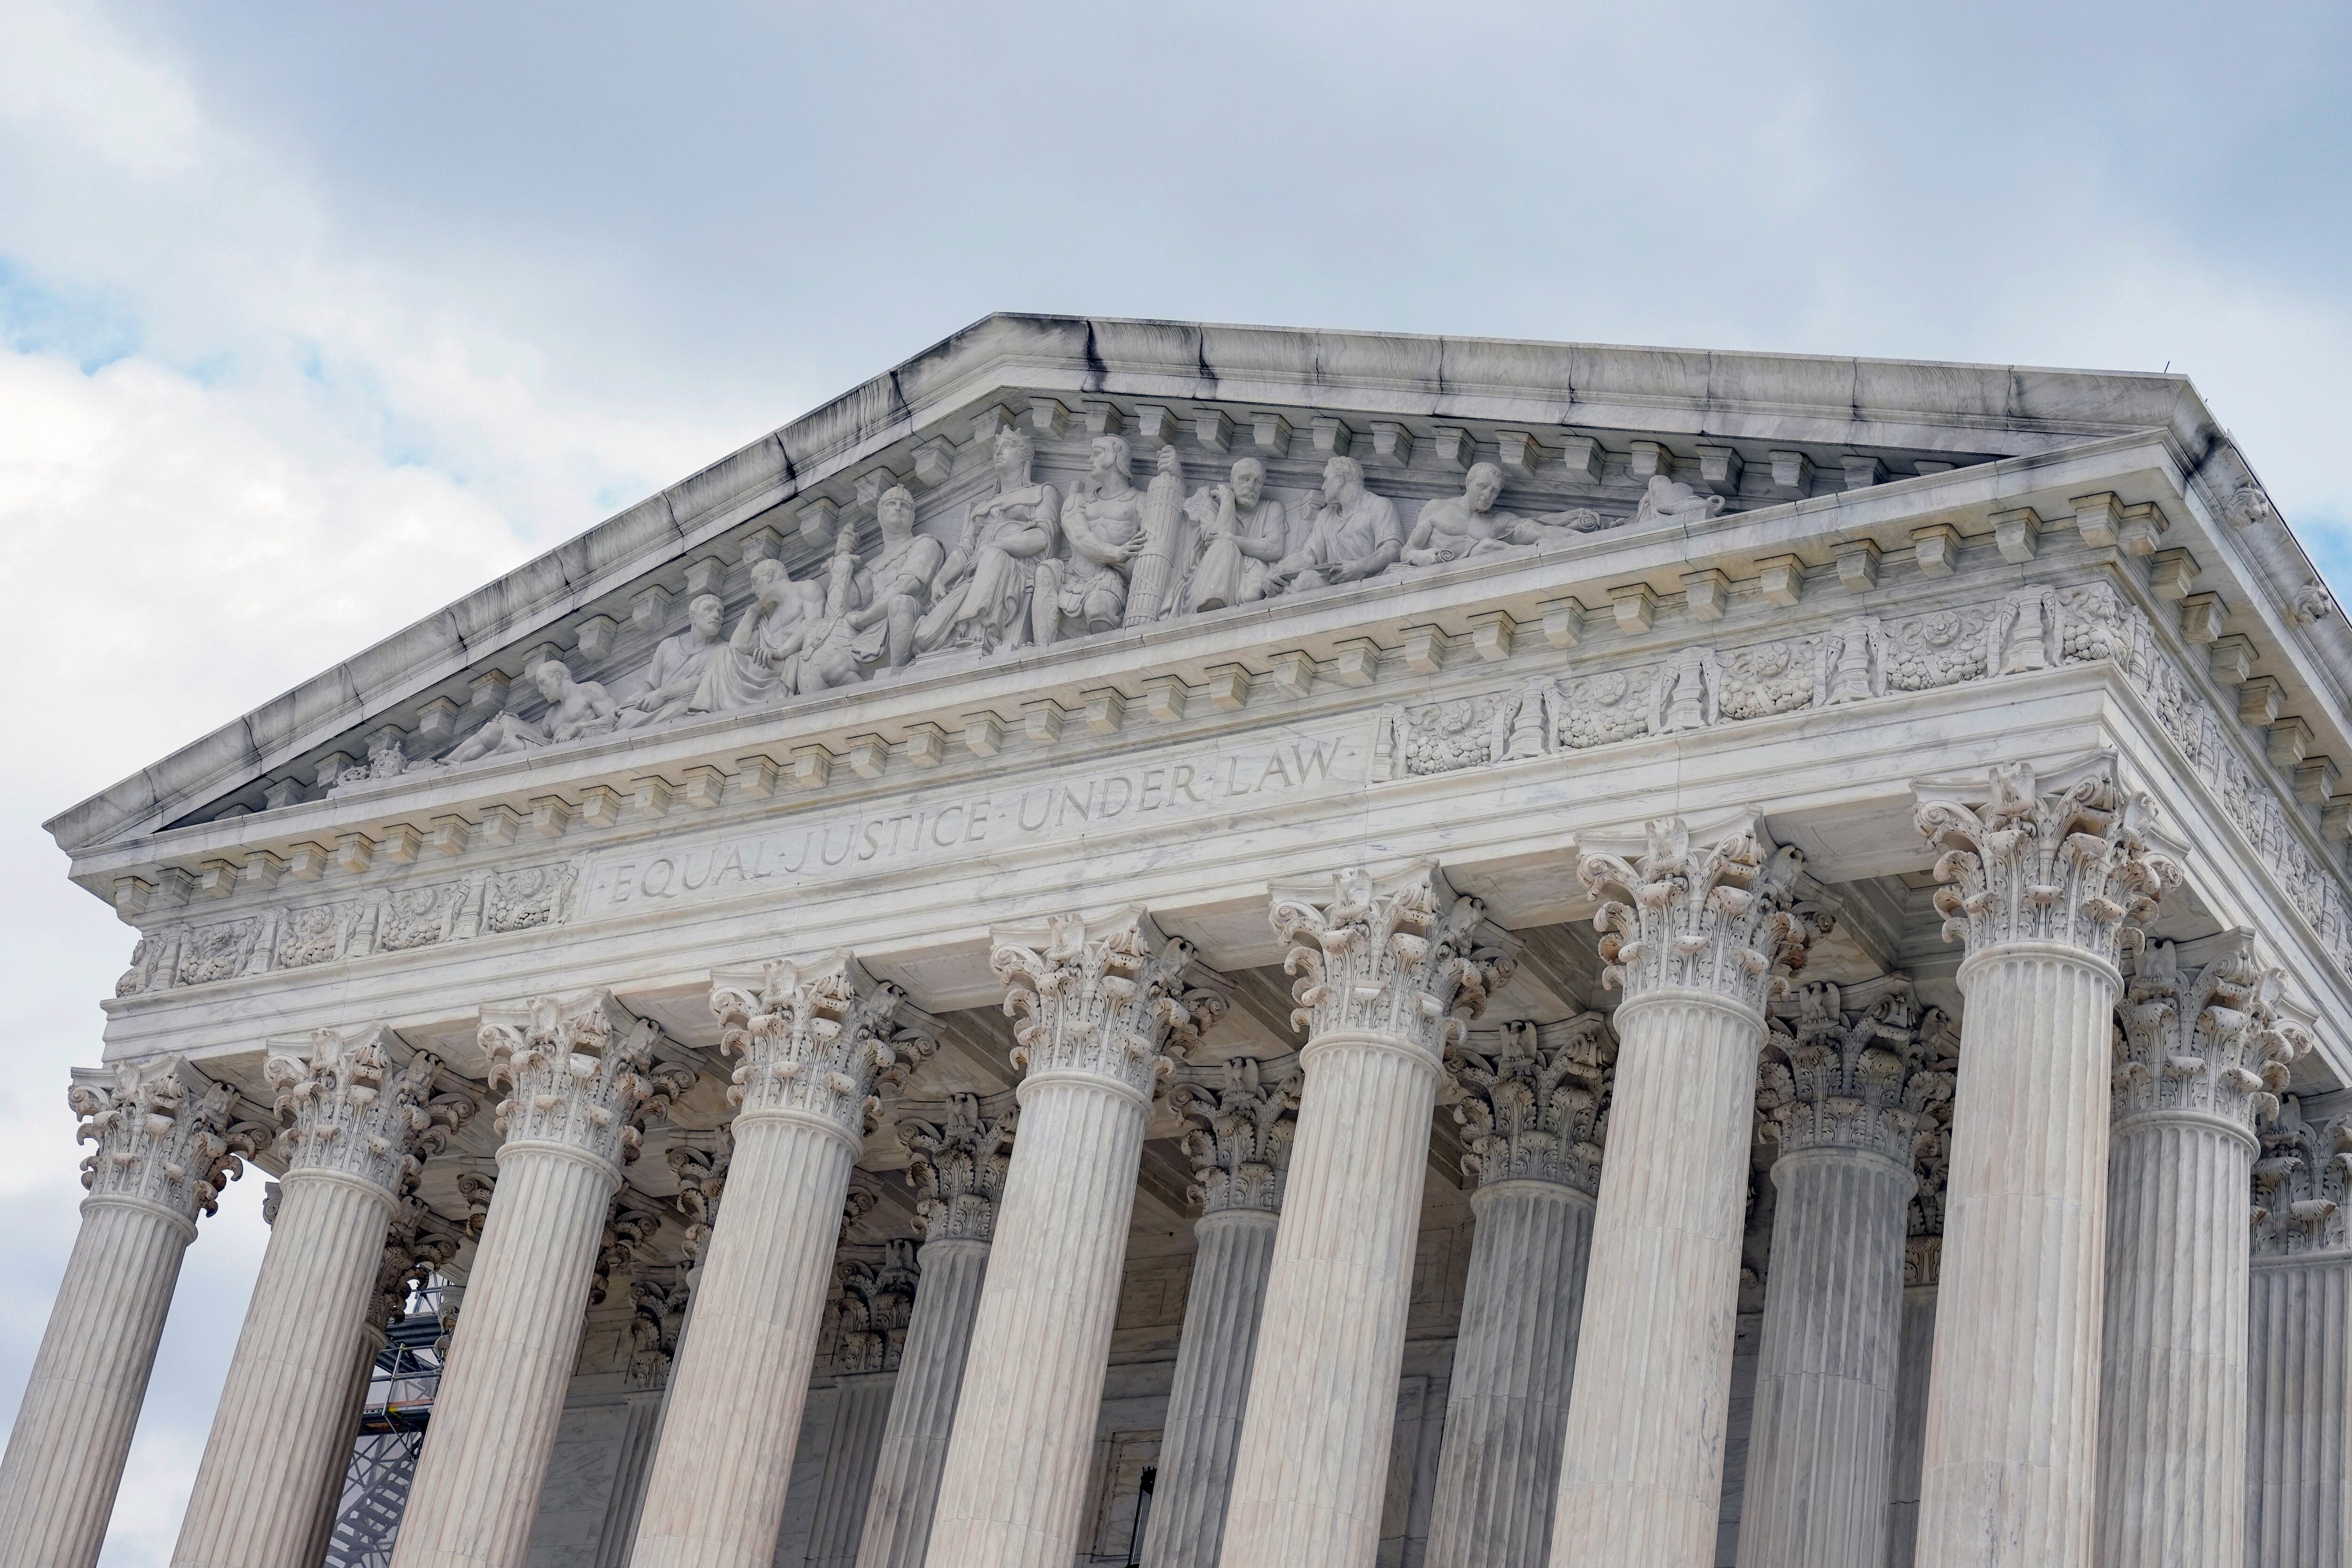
(1152, 944)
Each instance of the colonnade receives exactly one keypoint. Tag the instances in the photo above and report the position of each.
(2087, 1401)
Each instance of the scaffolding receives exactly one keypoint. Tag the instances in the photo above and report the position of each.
(392, 1432)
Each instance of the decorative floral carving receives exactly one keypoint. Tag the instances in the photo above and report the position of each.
(417, 917)
(579, 1071)
(1108, 997)
(526, 899)
(417, 1246)
(343, 1106)
(1405, 958)
(1596, 709)
(958, 1165)
(657, 1298)
(817, 1040)
(629, 1224)
(876, 1300)
(477, 1188)
(1536, 1109)
(2209, 1039)
(1930, 1097)
(1943, 648)
(700, 1160)
(163, 1132)
(1446, 737)
(2075, 865)
(1237, 1136)
(2300, 1185)
(217, 951)
(315, 934)
(1723, 918)
(1840, 1066)
(1767, 678)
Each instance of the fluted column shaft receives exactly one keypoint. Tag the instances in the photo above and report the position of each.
(1514, 1364)
(287, 1403)
(717, 1492)
(1233, 1257)
(72, 1437)
(1910, 1426)
(861, 1410)
(1642, 1481)
(2299, 1374)
(2172, 1387)
(1822, 1439)
(1014, 1486)
(2008, 1473)
(330, 1493)
(477, 1481)
(914, 1449)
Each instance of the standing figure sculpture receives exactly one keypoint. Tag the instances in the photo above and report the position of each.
(1102, 529)
(983, 593)
(1468, 524)
(758, 664)
(1242, 531)
(895, 586)
(1352, 534)
(676, 672)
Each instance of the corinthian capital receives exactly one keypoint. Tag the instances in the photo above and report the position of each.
(164, 1134)
(1238, 1137)
(1536, 1107)
(2079, 865)
(1930, 1096)
(1405, 958)
(2210, 1040)
(417, 1245)
(699, 1160)
(817, 1040)
(1841, 1069)
(579, 1072)
(1723, 918)
(958, 1165)
(2302, 1182)
(1111, 998)
(876, 1300)
(344, 1107)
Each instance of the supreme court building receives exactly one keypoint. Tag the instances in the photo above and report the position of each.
(1149, 943)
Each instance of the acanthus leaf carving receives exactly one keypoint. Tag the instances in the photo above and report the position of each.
(818, 1040)
(1725, 918)
(1536, 1107)
(1111, 998)
(1839, 1069)
(579, 1071)
(875, 1299)
(2302, 1184)
(2210, 1040)
(700, 1160)
(1405, 957)
(1238, 1135)
(166, 1135)
(344, 1105)
(958, 1165)
(1928, 1096)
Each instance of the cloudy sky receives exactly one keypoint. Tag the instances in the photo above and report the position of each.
(311, 319)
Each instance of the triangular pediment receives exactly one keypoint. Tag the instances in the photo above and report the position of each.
(1583, 438)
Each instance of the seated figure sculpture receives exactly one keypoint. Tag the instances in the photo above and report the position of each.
(676, 672)
(758, 664)
(983, 592)
(825, 645)
(894, 588)
(1352, 535)
(1241, 533)
(574, 707)
(1467, 524)
(1102, 528)
(1671, 501)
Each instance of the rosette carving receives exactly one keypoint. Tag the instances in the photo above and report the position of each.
(2209, 1039)
(1111, 998)
(2302, 1183)
(579, 1071)
(1841, 1069)
(1536, 1107)
(1238, 1136)
(817, 1040)
(164, 1134)
(1405, 958)
(2079, 865)
(958, 1165)
(875, 1301)
(1725, 918)
(343, 1106)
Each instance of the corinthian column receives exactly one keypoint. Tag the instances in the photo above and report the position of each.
(817, 1043)
(2044, 885)
(1239, 1142)
(875, 1303)
(580, 1082)
(355, 1129)
(2205, 1053)
(1705, 936)
(1099, 1009)
(1923, 1256)
(1536, 1112)
(1387, 973)
(164, 1153)
(958, 1166)
(2299, 1354)
(1842, 1092)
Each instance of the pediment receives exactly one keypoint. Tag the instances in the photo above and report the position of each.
(1584, 439)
